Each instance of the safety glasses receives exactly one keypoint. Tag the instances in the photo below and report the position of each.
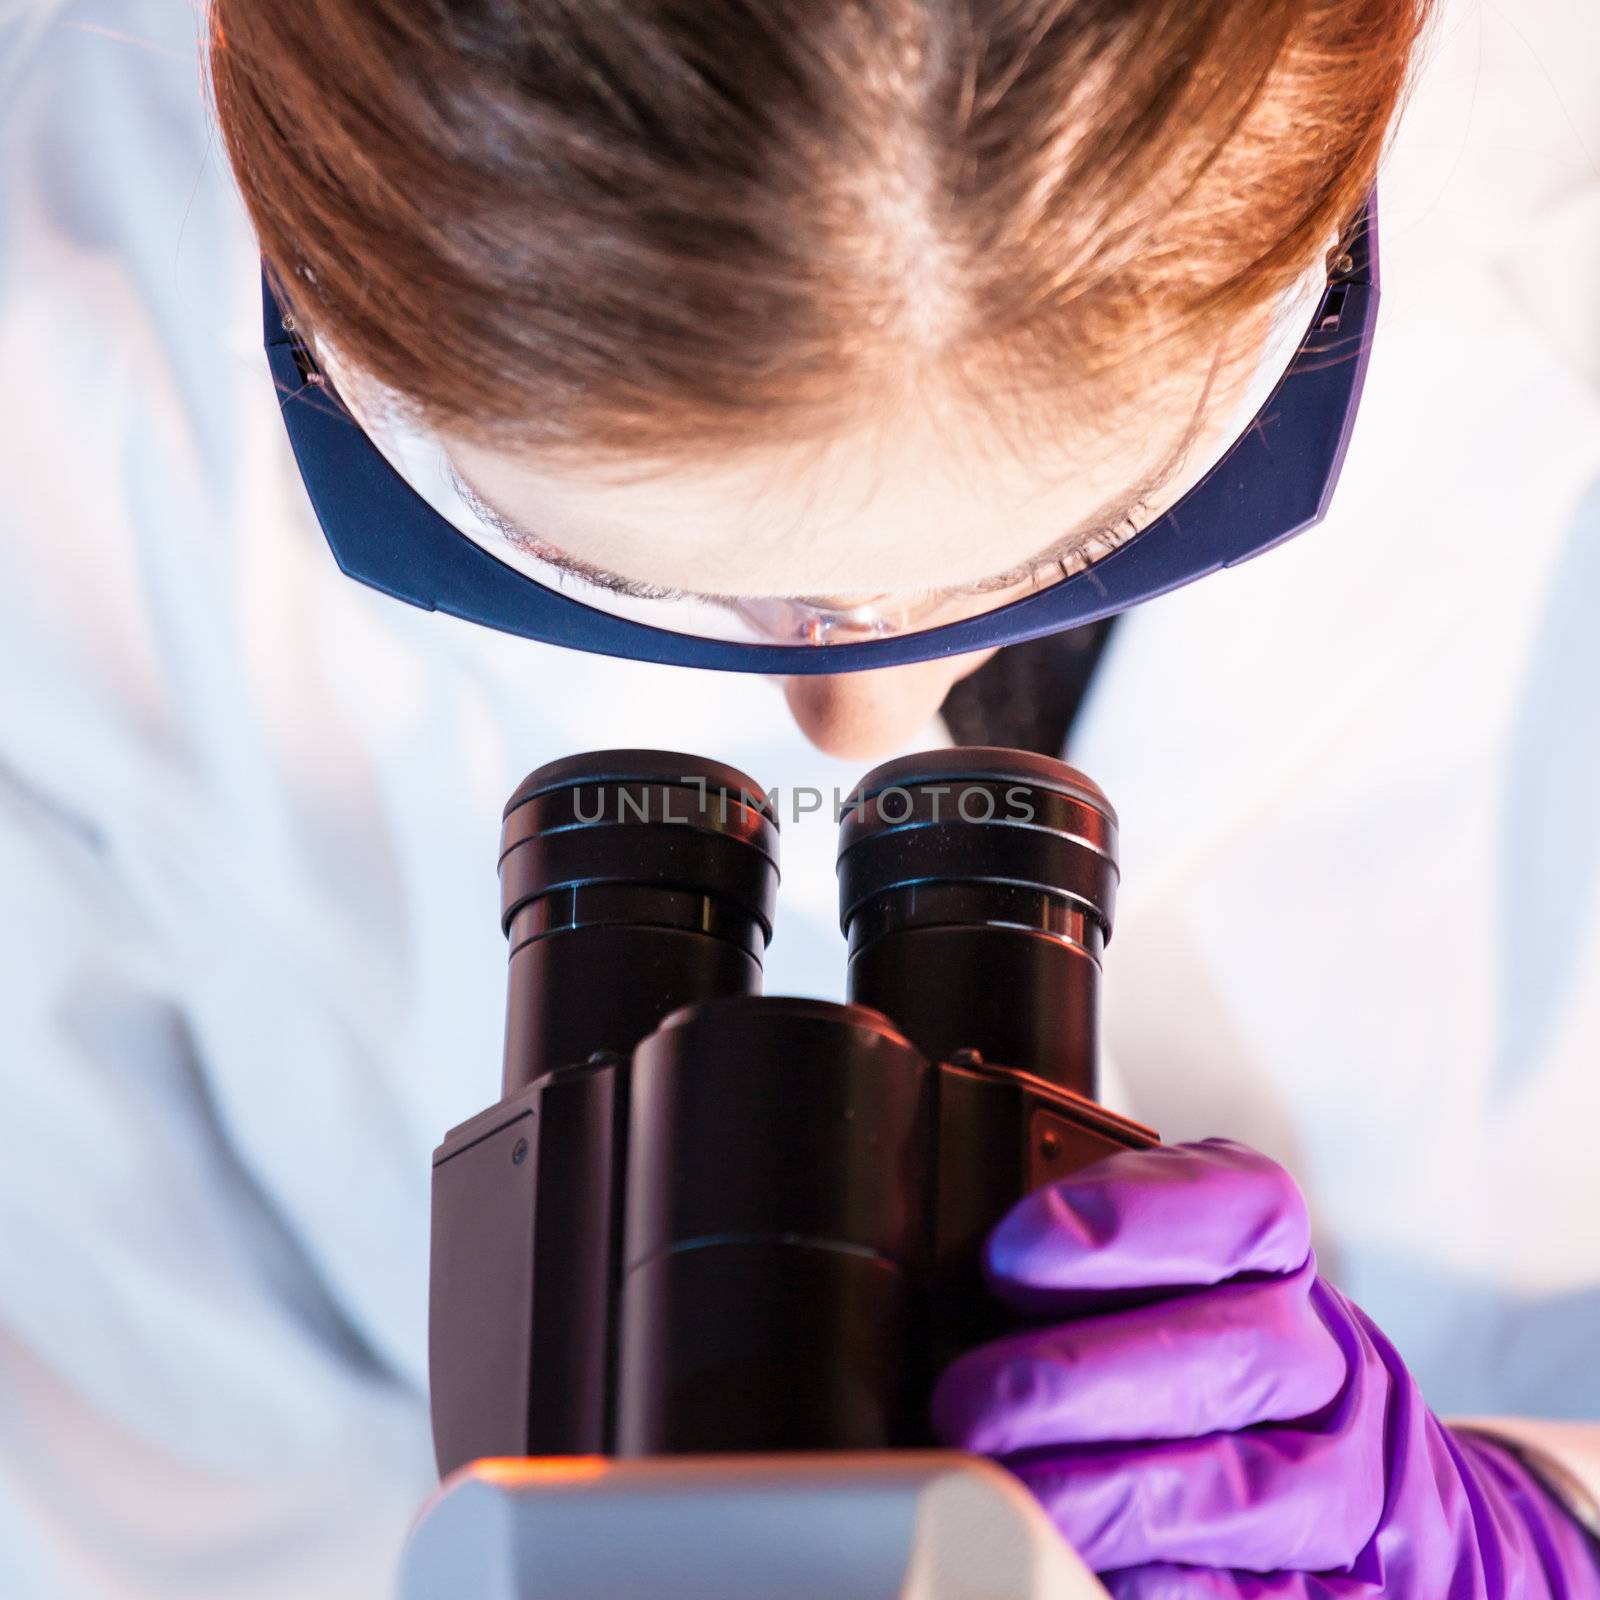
(1275, 481)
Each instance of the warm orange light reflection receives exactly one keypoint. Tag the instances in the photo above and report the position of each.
(513, 1470)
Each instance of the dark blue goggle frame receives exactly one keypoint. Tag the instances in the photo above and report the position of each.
(1274, 482)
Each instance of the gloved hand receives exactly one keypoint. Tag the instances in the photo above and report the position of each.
(1201, 1414)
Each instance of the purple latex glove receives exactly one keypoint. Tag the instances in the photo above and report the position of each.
(1201, 1414)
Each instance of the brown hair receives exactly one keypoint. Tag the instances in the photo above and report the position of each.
(625, 226)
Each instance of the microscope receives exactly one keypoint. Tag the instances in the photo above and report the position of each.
(694, 1274)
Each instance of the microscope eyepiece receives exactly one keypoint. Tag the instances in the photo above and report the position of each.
(975, 835)
(639, 835)
(632, 882)
(967, 877)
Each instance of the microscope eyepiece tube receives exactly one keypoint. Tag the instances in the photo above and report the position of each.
(977, 889)
(632, 882)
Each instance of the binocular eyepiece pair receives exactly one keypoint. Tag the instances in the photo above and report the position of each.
(704, 1220)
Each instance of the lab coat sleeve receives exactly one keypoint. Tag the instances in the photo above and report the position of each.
(176, 1393)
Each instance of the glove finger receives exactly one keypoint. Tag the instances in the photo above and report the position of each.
(1222, 1359)
(1455, 1505)
(1303, 1498)
(1171, 1217)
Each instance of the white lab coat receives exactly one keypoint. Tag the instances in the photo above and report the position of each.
(250, 967)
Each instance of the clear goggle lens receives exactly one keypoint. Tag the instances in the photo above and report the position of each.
(803, 621)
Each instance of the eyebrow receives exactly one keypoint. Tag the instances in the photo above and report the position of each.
(1109, 520)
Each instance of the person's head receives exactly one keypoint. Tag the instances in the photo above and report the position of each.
(808, 297)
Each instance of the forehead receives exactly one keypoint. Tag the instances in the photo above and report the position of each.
(931, 497)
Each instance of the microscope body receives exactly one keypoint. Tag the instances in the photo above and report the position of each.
(704, 1221)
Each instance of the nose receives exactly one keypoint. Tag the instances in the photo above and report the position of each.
(859, 715)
